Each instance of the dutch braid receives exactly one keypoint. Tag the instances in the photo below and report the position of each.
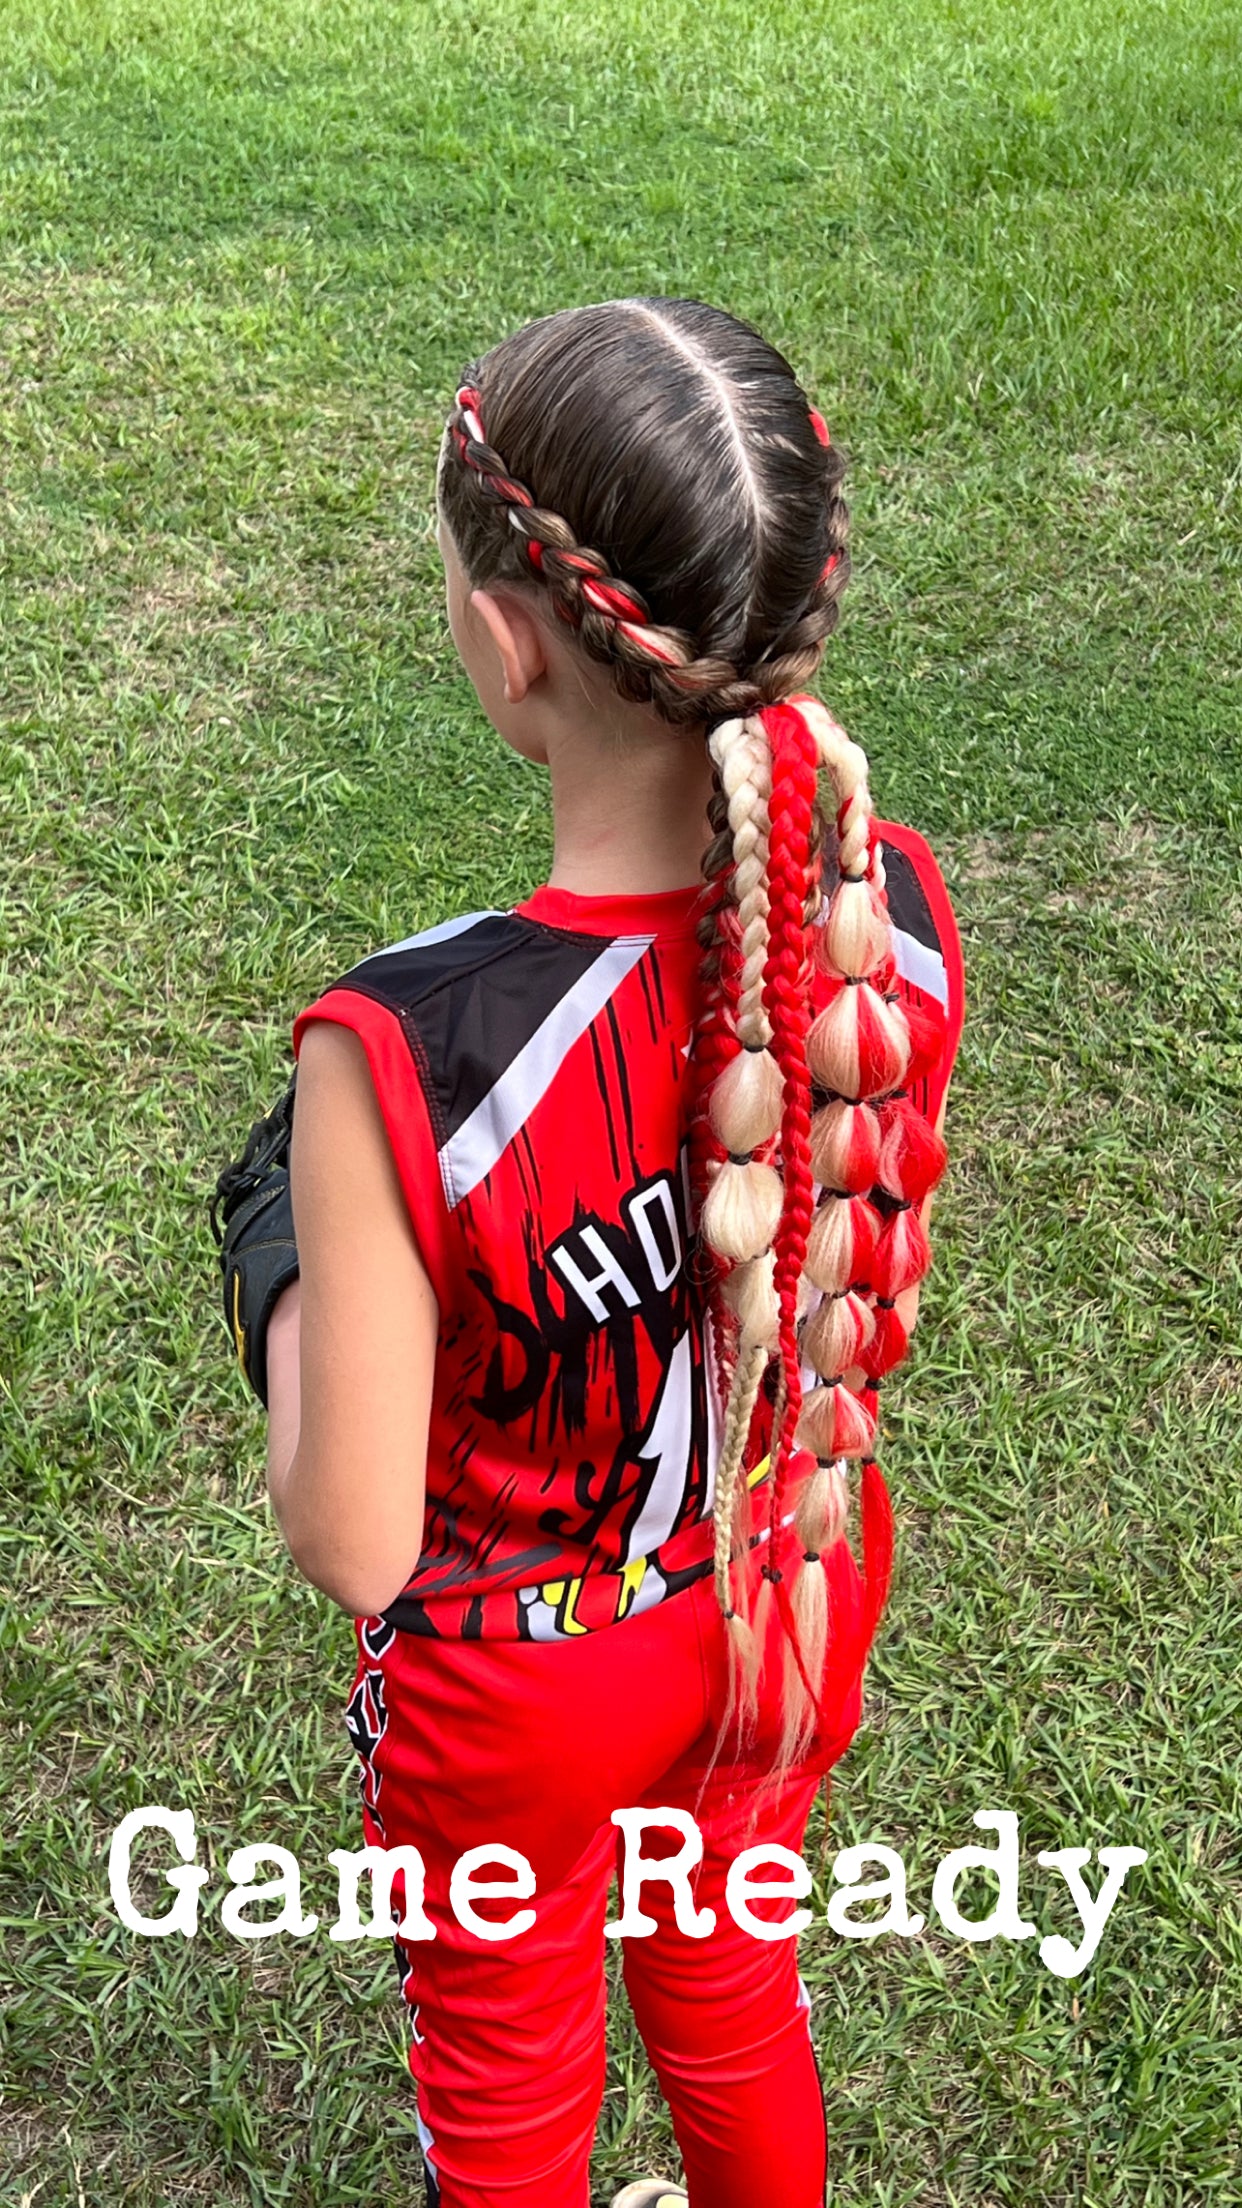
(651, 664)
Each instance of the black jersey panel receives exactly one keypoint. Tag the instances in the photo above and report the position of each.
(476, 1000)
(908, 908)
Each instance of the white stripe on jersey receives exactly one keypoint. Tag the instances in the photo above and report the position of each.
(917, 963)
(443, 933)
(469, 1155)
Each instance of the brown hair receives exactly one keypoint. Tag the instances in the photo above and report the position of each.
(674, 444)
(655, 465)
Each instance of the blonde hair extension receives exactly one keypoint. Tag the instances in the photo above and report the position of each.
(742, 1207)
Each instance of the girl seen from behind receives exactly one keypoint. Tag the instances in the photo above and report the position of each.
(610, 1218)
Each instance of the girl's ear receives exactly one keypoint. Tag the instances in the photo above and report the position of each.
(518, 638)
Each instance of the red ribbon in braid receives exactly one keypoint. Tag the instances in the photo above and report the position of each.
(786, 996)
(626, 611)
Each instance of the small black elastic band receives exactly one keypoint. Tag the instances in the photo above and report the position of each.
(853, 877)
(854, 981)
(886, 1303)
(772, 1572)
(740, 1157)
(728, 1616)
(811, 1556)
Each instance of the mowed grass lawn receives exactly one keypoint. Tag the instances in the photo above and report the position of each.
(244, 252)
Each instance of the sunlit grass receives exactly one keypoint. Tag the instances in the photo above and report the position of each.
(244, 251)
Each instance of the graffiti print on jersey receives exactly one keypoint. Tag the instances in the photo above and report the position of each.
(533, 1084)
(366, 1722)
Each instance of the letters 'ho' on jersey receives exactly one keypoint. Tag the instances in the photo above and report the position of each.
(531, 1069)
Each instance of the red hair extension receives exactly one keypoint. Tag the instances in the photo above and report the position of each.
(902, 1254)
(795, 762)
(607, 598)
(855, 1016)
(837, 1423)
(838, 1329)
(715, 1039)
(841, 1242)
(926, 1023)
(882, 977)
(845, 1147)
(912, 1155)
(889, 1342)
(714, 1043)
(877, 1537)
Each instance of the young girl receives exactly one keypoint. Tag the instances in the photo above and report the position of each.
(610, 1217)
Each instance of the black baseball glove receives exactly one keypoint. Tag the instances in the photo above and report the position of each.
(258, 1253)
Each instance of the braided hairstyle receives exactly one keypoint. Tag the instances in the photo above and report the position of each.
(655, 468)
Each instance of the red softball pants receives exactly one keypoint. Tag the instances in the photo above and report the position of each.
(533, 1745)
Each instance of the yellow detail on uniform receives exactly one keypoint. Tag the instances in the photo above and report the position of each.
(565, 1618)
(632, 1578)
(239, 1331)
(760, 1472)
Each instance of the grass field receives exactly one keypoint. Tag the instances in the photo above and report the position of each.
(244, 250)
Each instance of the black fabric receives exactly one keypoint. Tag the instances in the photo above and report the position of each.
(475, 1001)
(258, 1254)
(908, 908)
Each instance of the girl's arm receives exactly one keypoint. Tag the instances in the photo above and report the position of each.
(284, 1386)
(348, 1413)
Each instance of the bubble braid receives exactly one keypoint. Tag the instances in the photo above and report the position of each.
(815, 1285)
(808, 1157)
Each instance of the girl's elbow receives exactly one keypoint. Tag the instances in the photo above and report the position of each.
(361, 1586)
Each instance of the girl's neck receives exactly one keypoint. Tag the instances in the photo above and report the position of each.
(629, 819)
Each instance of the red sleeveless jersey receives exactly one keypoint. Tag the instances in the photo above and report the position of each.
(532, 1071)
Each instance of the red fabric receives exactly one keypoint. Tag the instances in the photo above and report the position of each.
(533, 1743)
(528, 1483)
(519, 1498)
(533, 1747)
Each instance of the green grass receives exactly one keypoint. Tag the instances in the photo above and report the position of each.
(244, 250)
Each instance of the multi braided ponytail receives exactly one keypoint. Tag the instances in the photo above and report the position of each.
(822, 1285)
(680, 443)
